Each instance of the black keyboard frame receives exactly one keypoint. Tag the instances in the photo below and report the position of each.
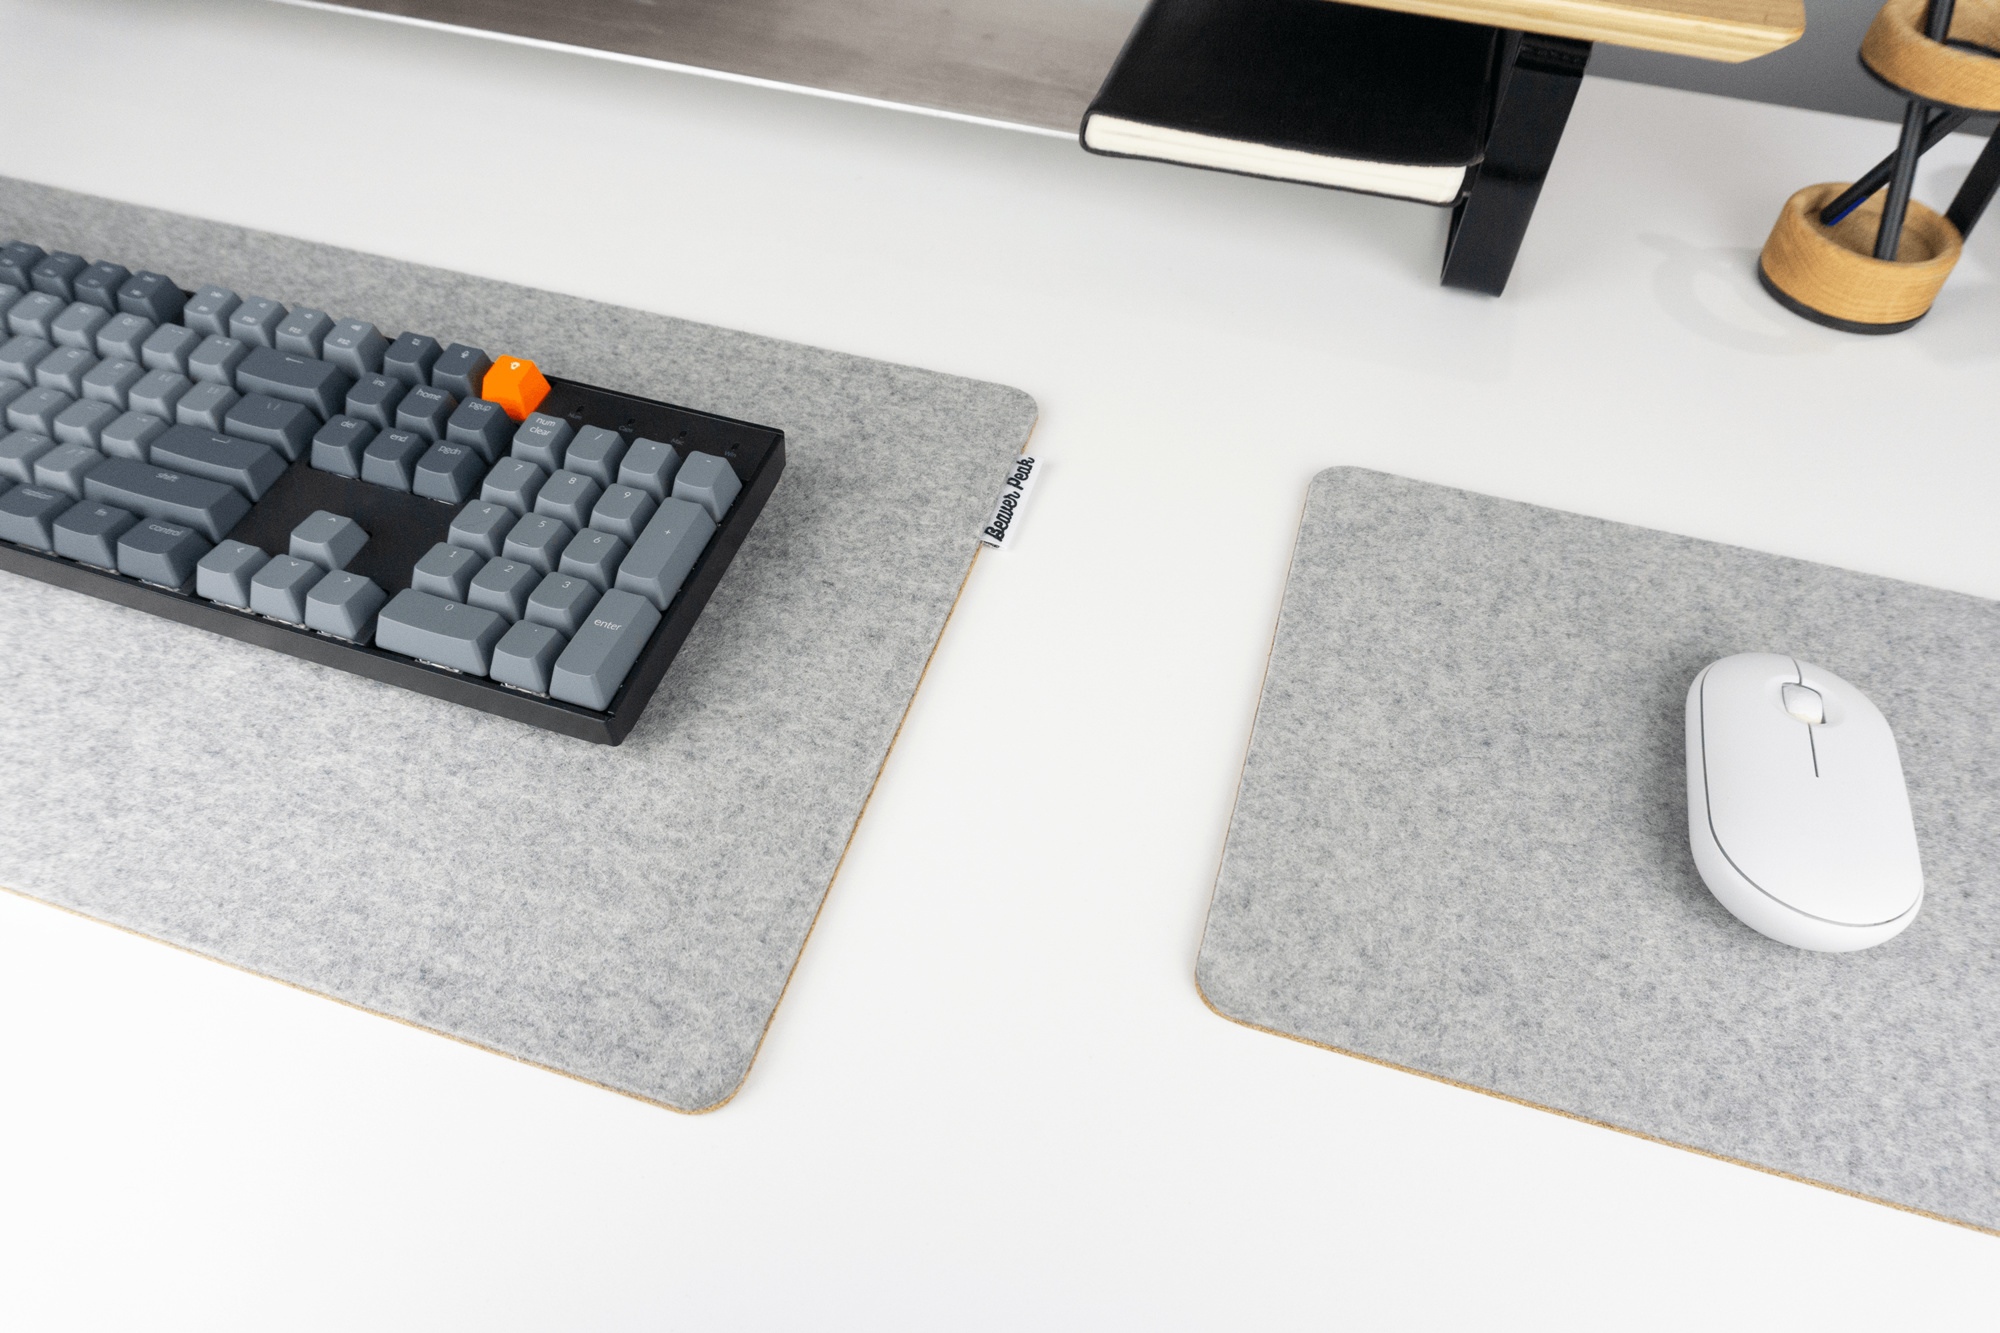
(405, 526)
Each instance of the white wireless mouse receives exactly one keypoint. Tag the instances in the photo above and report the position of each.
(1797, 812)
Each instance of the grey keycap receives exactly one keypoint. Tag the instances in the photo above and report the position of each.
(446, 571)
(594, 556)
(374, 400)
(345, 605)
(541, 440)
(449, 472)
(562, 602)
(17, 263)
(9, 294)
(169, 348)
(425, 411)
(285, 427)
(481, 528)
(84, 422)
(208, 313)
(224, 574)
(250, 468)
(151, 296)
(623, 512)
(111, 382)
(9, 391)
(596, 453)
(708, 481)
(159, 393)
(391, 459)
(504, 586)
(35, 315)
(206, 405)
(568, 496)
(162, 553)
(123, 338)
(64, 467)
(666, 551)
(132, 436)
(537, 540)
(56, 274)
(20, 355)
(337, 446)
(98, 285)
(78, 325)
(279, 589)
(526, 656)
(304, 332)
(513, 482)
(448, 633)
(28, 515)
(215, 359)
(18, 452)
(64, 369)
(483, 425)
(290, 377)
(330, 541)
(255, 320)
(461, 372)
(601, 654)
(410, 358)
(37, 410)
(356, 346)
(212, 508)
(89, 532)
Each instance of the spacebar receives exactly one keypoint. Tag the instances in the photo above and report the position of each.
(209, 507)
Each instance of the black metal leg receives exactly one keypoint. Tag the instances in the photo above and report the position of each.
(1889, 236)
(1538, 82)
(1855, 195)
(1902, 176)
(1977, 192)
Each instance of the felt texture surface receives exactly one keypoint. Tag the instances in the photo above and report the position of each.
(1460, 844)
(627, 915)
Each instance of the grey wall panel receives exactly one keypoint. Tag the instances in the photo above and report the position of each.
(1037, 63)
(1031, 62)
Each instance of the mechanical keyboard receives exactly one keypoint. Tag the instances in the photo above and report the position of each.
(430, 516)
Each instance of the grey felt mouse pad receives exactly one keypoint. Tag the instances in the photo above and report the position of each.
(630, 915)
(1460, 844)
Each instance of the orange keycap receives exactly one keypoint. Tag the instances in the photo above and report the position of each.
(516, 385)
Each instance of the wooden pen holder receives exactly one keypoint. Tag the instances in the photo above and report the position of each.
(1830, 274)
(1865, 257)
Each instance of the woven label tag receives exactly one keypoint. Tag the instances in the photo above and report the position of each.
(1013, 499)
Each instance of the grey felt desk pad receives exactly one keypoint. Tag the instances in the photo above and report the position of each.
(1460, 844)
(630, 915)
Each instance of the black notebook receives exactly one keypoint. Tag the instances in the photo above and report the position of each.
(1303, 90)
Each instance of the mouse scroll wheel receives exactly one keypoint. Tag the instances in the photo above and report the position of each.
(1804, 704)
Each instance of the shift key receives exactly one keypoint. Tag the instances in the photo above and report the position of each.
(211, 508)
(250, 468)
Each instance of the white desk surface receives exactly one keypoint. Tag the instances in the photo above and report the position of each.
(992, 1098)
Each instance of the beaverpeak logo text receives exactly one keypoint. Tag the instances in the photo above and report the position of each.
(1013, 497)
